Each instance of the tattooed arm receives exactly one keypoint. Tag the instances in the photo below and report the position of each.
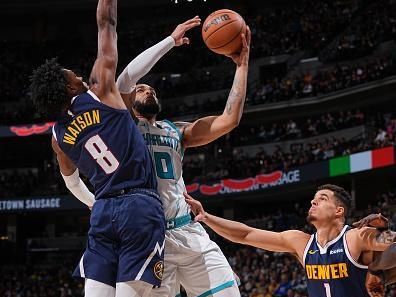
(208, 129)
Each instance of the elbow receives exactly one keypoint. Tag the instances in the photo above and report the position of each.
(106, 21)
(243, 236)
(236, 122)
(233, 123)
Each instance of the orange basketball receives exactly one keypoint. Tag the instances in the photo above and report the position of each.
(222, 30)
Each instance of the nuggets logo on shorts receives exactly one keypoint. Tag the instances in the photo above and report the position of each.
(159, 269)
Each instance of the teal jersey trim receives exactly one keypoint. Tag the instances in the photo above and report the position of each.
(180, 136)
(178, 222)
(213, 291)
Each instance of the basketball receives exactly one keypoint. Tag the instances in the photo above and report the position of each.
(221, 31)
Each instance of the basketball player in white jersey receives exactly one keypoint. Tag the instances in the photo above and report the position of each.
(191, 258)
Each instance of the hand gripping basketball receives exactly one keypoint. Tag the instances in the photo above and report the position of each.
(242, 58)
(221, 31)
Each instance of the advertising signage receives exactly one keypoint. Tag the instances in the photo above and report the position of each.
(353, 163)
(368, 160)
(35, 204)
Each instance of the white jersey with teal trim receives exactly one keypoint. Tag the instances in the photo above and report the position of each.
(164, 141)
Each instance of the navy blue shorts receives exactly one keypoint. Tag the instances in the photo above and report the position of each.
(125, 240)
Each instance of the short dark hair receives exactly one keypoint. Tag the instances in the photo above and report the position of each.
(340, 194)
(48, 88)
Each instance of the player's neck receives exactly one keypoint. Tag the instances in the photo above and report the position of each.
(328, 232)
(151, 120)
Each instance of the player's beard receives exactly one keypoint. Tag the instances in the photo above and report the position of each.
(149, 110)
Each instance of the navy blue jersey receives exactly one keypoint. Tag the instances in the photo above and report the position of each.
(331, 271)
(106, 146)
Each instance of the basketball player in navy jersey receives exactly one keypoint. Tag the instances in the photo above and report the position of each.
(335, 258)
(97, 136)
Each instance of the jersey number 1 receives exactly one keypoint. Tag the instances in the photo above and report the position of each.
(100, 152)
(327, 288)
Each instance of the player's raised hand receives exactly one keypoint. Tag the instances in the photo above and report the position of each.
(181, 29)
(375, 286)
(196, 208)
(374, 220)
(242, 58)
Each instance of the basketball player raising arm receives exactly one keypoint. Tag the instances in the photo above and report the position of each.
(101, 83)
(204, 130)
(96, 134)
(335, 258)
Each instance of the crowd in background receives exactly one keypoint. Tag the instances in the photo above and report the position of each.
(339, 77)
(375, 25)
(39, 281)
(309, 26)
(245, 165)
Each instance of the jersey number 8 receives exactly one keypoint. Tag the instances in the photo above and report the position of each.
(100, 152)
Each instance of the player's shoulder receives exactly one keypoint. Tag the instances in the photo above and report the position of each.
(177, 126)
(181, 125)
(358, 235)
(296, 235)
(364, 231)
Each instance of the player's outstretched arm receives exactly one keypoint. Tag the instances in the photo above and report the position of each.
(143, 63)
(292, 241)
(71, 177)
(210, 128)
(102, 78)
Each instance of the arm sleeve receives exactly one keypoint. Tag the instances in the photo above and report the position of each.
(142, 64)
(77, 187)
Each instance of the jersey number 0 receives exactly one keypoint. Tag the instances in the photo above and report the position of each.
(163, 165)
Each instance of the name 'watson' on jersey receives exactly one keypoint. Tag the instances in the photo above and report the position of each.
(105, 145)
(331, 271)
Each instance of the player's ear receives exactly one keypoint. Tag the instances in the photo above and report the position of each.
(71, 90)
(340, 211)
